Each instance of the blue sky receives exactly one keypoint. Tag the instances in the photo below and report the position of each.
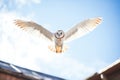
(85, 55)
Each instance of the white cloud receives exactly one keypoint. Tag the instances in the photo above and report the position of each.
(70, 68)
(16, 4)
(26, 2)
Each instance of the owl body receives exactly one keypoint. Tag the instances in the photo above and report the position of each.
(60, 36)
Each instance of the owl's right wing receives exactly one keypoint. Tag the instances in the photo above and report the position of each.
(34, 28)
(82, 28)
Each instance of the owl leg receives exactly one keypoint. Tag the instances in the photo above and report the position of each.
(58, 49)
(61, 49)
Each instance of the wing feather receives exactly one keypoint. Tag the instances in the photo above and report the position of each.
(82, 28)
(34, 27)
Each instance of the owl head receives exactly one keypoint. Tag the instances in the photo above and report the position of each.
(59, 34)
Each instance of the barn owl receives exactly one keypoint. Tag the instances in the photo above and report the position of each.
(59, 37)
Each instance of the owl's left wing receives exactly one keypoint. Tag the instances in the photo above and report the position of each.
(34, 28)
(82, 28)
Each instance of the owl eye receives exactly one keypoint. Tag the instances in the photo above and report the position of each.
(61, 33)
(57, 33)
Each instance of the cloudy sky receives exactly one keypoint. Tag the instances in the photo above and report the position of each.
(85, 55)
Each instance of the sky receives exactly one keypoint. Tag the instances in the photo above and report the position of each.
(85, 55)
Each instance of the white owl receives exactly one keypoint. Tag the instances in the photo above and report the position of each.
(59, 37)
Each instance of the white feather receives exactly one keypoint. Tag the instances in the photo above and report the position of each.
(35, 29)
(82, 28)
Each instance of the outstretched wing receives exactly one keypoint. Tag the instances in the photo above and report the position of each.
(35, 28)
(82, 28)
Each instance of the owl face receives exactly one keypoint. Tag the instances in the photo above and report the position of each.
(59, 34)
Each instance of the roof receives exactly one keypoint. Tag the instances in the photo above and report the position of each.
(111, 72)
(25, 73)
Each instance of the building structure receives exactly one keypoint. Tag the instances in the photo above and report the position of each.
(12, 72)
(112, 72)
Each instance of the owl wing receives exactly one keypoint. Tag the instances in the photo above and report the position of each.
(34, 28)
(82, 28)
